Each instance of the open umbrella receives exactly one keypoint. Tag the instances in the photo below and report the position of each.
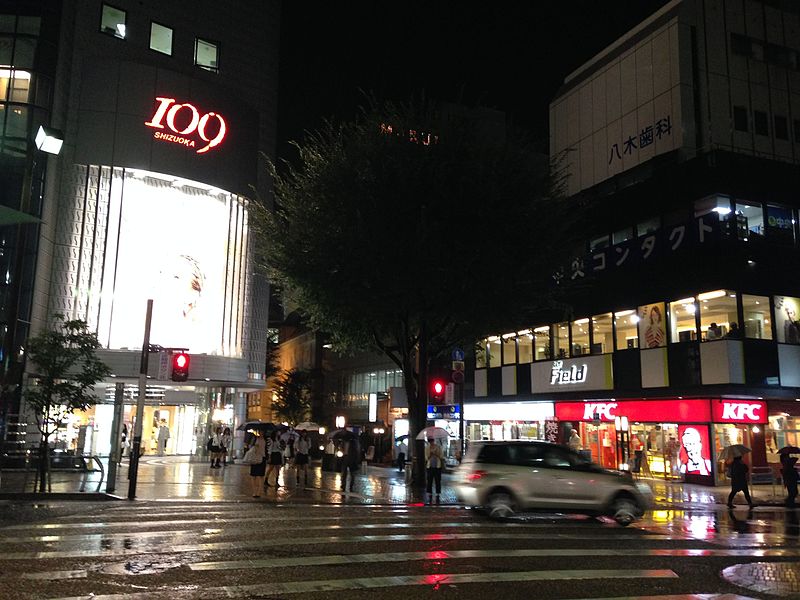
(789, 450)
(339, 435)
(289, 434)
(433, 433)
(262, 426)
(307, 425)
(733, 451)
(401, 438)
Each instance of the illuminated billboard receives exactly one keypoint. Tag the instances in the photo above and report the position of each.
(183, 244)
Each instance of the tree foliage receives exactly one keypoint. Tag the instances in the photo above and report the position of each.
(413, 229)
(293, 396)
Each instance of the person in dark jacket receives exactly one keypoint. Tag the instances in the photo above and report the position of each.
(739, 481)
(789, 474)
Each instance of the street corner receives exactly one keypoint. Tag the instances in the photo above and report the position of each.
(776, 578)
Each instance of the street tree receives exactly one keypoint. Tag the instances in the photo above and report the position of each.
(65, 370)
(415, 228)
(292, 401)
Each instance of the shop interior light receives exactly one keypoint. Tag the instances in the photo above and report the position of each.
(493, 338)
(524, 332)
(507, 336)
(721, 210)
(544, 329)
(49, 140)
(711, 295)
(623, 313)
(582, 321)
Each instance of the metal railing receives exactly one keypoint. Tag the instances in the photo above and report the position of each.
(58, 463)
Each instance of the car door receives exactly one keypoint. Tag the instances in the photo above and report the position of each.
(570, 479)
(534, 480)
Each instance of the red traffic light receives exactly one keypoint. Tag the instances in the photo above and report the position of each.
(180, 366)
(438, 387)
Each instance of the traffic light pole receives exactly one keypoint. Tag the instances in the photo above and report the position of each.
(133, 471)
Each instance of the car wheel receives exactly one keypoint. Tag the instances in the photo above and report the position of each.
(501, 505)
(624, 511)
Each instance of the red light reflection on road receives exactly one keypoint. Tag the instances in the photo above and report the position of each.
(436, 554)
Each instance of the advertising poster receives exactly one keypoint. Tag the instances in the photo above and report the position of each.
(695, 454)
(787, 319)
(652, 326)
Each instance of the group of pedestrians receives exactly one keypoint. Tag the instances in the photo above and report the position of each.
(272, 453)
(218, 447)
(738, 471)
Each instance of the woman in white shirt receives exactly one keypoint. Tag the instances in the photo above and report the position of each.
(257, 470)
(301, 449)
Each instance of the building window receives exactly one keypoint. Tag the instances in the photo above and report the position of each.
(716, 203)
(599, 243)
(161, 38)
(740, 118)
(787, 319)
(112, 21)
(682, 320)
(480, 354)
(494, 350)
(652, 323)
(796, 127)
(509, 348)
(718, 315)
(760, 122)
(206, 55)
(541, 336)
(525, 346)
(781, 127)
(757, 323)
(580, 337)
(623, 235)
(740, 45)
(753, 214)
(781, 222)
(626, 322)
(602, 334)
(648, 226)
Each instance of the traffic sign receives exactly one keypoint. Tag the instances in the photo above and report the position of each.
(458, 354)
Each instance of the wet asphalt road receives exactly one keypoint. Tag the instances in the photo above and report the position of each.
(183, 549)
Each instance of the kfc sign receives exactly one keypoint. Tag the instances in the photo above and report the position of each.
(601, 410)
(189, 128)
(574, 374)
(738, 411)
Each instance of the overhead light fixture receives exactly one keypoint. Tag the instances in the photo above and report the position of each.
(49, 140)
(711, 295)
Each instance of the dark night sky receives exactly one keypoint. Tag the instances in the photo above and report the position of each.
(509, 55)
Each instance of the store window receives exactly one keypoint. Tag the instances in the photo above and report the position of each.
(753, 213)
(509, 348)
(580, 337)
(626, 322)
(652, 325)
(781, 222)
(561, 340)
(599, 243)
(718, 316)
(716, 203)
(648, 226)
(480, 354)
(525, 346)
(161, 38)
(683, 327)
(757, 323)
(112, 21)
(206, 55)
(783, 430)
(787, 319)
(541, 341)
(622, 235)
(602, 334)
(494, 351)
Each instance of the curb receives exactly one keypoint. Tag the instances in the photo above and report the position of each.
(92, 496)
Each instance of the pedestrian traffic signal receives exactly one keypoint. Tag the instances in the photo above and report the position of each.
(438, 388)
(180, 366)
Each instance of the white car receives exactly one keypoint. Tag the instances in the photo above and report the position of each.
(510, 476)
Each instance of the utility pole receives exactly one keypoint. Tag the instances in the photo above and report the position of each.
(137, 429)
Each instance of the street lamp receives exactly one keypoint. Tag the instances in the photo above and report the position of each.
(49, 140)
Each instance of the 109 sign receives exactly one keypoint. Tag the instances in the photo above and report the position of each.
(183, 119)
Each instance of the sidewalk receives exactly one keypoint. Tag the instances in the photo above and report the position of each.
(173, 477)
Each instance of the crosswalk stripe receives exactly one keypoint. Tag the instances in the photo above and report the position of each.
(331, 585)
(344, 559)
(299, 541)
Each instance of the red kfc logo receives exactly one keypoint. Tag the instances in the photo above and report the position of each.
(736, 411)
(185, 120)
(603, 410)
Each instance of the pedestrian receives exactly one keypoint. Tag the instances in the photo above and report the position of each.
(434, 461)
(402, 450)
(216, 440)
(258, 468)
(738, 471)
(275, 458)
(789, 474)
(162, 437)
(301, 449)
(574, 440)
(351, 461)
(225, 445)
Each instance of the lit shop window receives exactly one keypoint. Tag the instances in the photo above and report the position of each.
(627, 329)
(480, 354)
(494, 351)
(112, 21)
(718, 315)
(652, 325)
(206, 55)
(14, 85)
(561, 340)
(648, 226)
(683, 327)
(602, 334)
(787, 319)
(161, 39)
(525, 346)
(509, 348)
(541, 337)
(757, 323)
(753, 215)
(580, 337)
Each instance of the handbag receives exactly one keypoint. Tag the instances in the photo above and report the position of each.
(251, 456)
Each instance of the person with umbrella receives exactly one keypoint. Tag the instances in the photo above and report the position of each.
(738, 471)
(402, 450)
(301, 449)
(789, 474)
(275, 458)
(351, 459)
(434, 461)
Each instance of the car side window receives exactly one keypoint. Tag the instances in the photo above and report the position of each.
(526, 455)
(556, 458)
(493, 454)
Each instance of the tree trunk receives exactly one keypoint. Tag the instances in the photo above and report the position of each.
(418, 410)
(44, 464)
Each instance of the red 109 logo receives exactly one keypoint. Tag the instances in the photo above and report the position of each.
(185, 120)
